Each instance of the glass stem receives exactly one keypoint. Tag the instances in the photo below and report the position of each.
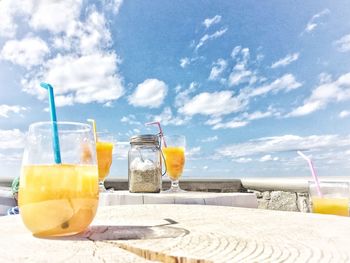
(175, 184)
(101, 186)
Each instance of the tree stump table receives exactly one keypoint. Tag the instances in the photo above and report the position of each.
(186, 233)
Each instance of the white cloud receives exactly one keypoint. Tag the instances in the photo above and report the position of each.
(122, 149)
(11, 139)
(182, 97)
(242, 56)
(62, 101)
(285, 83)
(316, 20)
(7, 26)
(113, 4)
(221, 103)
(207, 37)
(108, 104)
(286, 60)
(241, 72)
(343, 44)
(27, 52)
(213, 121)
(215, 104)
(236, 50)
(78, 79)
(150, 93)
(321, 96)
(78, 42)
(218, 67)
(285, 143)
(267, 158)
(85, 37)
(210, 139)
(55, 16)
(130, 119)
(93, 35)
(242, 120)
(238, 77)
(243, 160)
(208, 22)
(178, 88)
(193, 152)
(167, 118)
(343, 114)
(310, 27)
(256, 115)
(9, 9)
(307, 108)
(5, 110)
(184, 62)
(230, 125)
(324, 78)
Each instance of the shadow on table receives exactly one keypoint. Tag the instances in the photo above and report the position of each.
(109, 232)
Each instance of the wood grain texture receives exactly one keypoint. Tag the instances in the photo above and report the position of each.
(187, 233)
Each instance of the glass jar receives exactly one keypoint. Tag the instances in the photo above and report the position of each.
(145, 164)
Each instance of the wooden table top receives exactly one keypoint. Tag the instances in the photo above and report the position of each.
(186, 233)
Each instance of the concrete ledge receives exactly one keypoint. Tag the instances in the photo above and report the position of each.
(203, 198)
(276, 184)
(201, 185)
(297, 184)
(6, 181)
(6, 200)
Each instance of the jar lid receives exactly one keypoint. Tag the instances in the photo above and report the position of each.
(145, 138)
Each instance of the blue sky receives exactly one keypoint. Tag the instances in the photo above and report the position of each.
(247, 82)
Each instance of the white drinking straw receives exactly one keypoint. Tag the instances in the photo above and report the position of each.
(313, 172)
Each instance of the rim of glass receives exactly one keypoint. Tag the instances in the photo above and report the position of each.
(77, 127)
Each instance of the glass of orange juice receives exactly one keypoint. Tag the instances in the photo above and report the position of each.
(104, 150)
(174, 154)
(58, 199)
(334, 199)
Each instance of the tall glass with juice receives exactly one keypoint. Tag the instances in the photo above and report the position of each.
(334, 198)
(58, 199)
(104, 152)
(174, 154)
(175, 160)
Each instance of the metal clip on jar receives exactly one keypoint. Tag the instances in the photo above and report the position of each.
(145, 164)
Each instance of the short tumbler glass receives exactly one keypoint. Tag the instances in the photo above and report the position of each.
(334, 199)
(58, 199)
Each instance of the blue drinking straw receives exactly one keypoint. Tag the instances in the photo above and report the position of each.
(56, 142)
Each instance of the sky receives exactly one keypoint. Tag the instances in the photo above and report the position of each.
(247, 82)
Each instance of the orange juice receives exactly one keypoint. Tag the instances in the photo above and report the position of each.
(58, 199)
(175, 160)
(330, 205)
(104, 152)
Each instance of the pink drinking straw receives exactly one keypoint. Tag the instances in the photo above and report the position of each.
(161, 134)
(313, 172)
